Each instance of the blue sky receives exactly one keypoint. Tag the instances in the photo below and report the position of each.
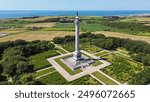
(74, 4)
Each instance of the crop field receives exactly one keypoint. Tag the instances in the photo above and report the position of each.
(40, 25)
(123, 35)
(122, 68)
(36, 35)
(40, 60)
(129, 27)
(64, 25)
(84, 27)
(143, 18)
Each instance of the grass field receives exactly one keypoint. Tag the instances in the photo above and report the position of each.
(39, 73)
(69, 46)
(53, 79)
(40, 60)
(39, 25)
(123, 35)
(36, 35)
(90, 48)
(103, 78)
(102, 53)
(56, 79)
(61, 51)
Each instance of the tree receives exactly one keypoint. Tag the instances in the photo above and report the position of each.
(142, 78)
(27, 78)
(1, 69)
(6, 83)
(10, 68)
(68, 38)
(12, 52)
(24, 67)
(58, 40)
(109, 44)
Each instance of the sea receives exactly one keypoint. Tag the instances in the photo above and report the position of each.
(18, 14)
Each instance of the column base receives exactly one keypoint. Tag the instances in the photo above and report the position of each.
(77, 56)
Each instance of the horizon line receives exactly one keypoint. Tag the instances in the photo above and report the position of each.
(74, 10)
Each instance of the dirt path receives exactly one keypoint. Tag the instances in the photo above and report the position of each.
(121, 35)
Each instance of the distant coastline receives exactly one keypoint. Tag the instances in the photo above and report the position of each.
(20, 14)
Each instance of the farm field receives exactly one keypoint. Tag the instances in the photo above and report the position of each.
(36, 35)
(40, 25)
(129, 27)
(123, 35)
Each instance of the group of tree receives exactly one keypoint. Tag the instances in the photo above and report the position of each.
(62, 40)
(107, 42)
(139, 50)
(142, 57)
(57, 19)
(15, 59)
(142, 78)
(7, 44)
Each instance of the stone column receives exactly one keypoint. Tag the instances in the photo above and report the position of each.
(77, 54)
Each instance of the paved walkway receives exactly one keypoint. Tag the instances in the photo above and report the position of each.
(45, 74)
(61, 48)
(86, 71)
(98, 79)
(110, 77)
(44, 69)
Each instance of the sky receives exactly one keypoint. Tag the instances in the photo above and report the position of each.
(74, 4)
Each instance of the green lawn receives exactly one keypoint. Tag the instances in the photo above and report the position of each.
(53, 79)
(40, 60)
(90, 48)
(104, 79)
(71, 72)
(57, 79)
(69, 46)
(57, 29)
(40, 73)
(102, 53)
(61, 51)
